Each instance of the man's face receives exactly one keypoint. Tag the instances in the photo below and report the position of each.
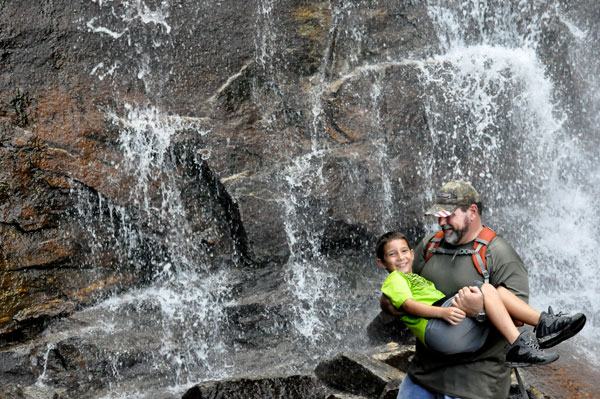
(455, 226)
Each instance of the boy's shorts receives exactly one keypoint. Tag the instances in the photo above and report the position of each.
(467, 336)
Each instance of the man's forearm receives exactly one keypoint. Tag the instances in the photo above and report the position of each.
(388, 307)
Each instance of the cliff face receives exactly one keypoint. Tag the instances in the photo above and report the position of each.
(237, 87)
(242, 135)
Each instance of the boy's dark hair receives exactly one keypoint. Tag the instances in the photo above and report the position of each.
(387, 237)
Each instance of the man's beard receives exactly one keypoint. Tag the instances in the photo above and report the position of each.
(456, 235)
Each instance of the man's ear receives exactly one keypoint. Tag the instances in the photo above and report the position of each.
(381, 264)
(475, 210)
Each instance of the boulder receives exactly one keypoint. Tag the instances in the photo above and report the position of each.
(375, 375)
(255, 387)
(395, 354)
(386, 327)
(358, 374)
(242, 108)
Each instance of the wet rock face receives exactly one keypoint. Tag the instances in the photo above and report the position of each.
(68, 200)
(268, 104)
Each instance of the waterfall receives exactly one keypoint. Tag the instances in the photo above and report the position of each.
(185, 302)
(493, 113)
(486, 92)
(538, 174)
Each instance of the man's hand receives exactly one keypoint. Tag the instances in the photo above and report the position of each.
(469, 299)
(386, 305)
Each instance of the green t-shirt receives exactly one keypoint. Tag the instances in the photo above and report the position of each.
(481, 374)
(399, 287)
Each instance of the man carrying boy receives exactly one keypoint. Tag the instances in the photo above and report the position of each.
(481, 374)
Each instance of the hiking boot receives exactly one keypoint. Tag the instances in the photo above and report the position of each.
(555, 328)
(525, 352)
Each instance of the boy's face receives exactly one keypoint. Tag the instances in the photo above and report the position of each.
(397, 256)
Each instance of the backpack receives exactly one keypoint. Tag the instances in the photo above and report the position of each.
(478, 252)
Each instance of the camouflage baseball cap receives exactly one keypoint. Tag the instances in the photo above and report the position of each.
(452, 195)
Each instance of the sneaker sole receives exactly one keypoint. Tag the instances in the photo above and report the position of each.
(523, 364)
(556, 338)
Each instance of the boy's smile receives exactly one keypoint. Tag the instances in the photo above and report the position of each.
(397, 256)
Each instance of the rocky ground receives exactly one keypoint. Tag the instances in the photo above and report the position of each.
(570, 377)
(348, 375)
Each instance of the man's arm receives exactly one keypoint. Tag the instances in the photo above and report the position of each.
(469, 299)
(386, 305)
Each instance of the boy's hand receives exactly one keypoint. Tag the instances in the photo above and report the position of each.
(469, 299)
(386, 305)
(453, 315)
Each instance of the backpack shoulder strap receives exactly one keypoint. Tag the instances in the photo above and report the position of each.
(433, 244)
(477, 253)
(479, 246)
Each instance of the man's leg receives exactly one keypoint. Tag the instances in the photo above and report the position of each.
(410, 390)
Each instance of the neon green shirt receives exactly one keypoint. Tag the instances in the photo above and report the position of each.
(399, 287)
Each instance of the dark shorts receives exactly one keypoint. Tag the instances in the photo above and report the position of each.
(467, 336)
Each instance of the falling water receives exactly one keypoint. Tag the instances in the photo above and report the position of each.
(537, 176)
(486, 93)
(320, 288)
(185, 302)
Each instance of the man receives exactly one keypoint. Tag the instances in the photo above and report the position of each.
(481, 374)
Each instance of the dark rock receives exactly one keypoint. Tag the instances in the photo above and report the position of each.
(15, 366)
(268, 387)
(394, 354)
(390, 391)
(357, 373)
(256, 324)
(344, 396)
(10, 392)
(386, 327)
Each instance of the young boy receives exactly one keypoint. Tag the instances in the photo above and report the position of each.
(442, 327)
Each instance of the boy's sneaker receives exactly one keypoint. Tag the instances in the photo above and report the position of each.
(525, 352)
(552, 328)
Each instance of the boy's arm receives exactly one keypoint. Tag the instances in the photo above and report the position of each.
(451, 314)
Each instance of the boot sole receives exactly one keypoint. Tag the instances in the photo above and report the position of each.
(556, 338)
